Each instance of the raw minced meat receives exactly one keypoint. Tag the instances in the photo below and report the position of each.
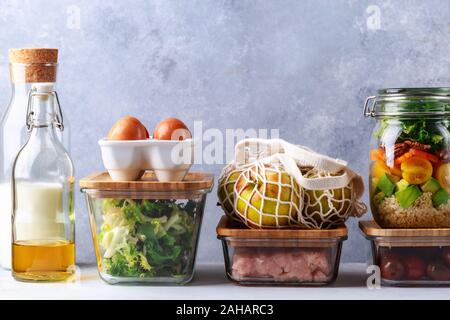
(422, 214)
(283, 264)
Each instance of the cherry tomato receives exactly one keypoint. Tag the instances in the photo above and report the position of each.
(446, 255)
(416, 170)
(391, 266)
(438, 271)
(415, 267)
(443, 176)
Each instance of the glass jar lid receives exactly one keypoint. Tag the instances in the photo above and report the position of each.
(411, 102)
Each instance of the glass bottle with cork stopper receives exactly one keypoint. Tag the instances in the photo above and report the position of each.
(43, 246)
(28, 66)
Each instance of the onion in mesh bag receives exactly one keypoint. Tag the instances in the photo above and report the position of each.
(326, 208)
(267, 197)
(225, 190)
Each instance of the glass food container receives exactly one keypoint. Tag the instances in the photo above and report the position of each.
(410, 157)
(280, 257)
(146, 231)
(412, 257)
(28, 67)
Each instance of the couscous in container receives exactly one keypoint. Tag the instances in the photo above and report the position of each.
(410, 257)
(146, 231)
(280, 257)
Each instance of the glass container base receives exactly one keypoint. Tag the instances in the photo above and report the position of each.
(162, 281)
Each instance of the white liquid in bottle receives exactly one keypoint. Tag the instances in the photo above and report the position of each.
(44, 199)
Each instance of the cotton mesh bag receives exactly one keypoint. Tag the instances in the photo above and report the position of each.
(225, 190)
(329, 191)
(267, 197)
(326, 208)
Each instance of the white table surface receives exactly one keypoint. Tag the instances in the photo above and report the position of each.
(209, 283)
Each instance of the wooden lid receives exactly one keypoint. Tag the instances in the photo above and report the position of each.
(229, 228)
(371, 228)
(192, 182)
(33, 55)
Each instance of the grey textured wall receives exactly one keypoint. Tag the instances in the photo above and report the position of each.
(304, 67)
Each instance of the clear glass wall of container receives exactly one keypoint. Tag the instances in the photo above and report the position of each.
(410, 157)
(27, 68)
(409, 257)
(146, 231)
(287, 257)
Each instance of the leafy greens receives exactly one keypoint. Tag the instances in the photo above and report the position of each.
(433, 132)
(147, 238)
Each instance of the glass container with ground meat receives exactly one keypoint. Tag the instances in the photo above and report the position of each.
(412, 257)
(146, 231)
(280, 257)
(410, 157)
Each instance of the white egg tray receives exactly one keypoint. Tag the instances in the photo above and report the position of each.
(127, 160)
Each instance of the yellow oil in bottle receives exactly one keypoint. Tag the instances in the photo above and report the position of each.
(43, 260)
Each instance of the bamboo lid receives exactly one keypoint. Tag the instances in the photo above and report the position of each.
(229, 228)
(33, 64)
(194, 181)
(372, 229)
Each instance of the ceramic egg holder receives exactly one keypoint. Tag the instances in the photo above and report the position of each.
(127, 160)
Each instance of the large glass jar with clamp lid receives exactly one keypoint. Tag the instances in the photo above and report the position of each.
(410, 157)
(28, 66)
(43, 246)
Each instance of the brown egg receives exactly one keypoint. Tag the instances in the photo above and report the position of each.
(128, 128)
(171, 129)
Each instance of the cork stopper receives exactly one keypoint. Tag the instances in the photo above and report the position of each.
(33, 65)
(33, 55)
